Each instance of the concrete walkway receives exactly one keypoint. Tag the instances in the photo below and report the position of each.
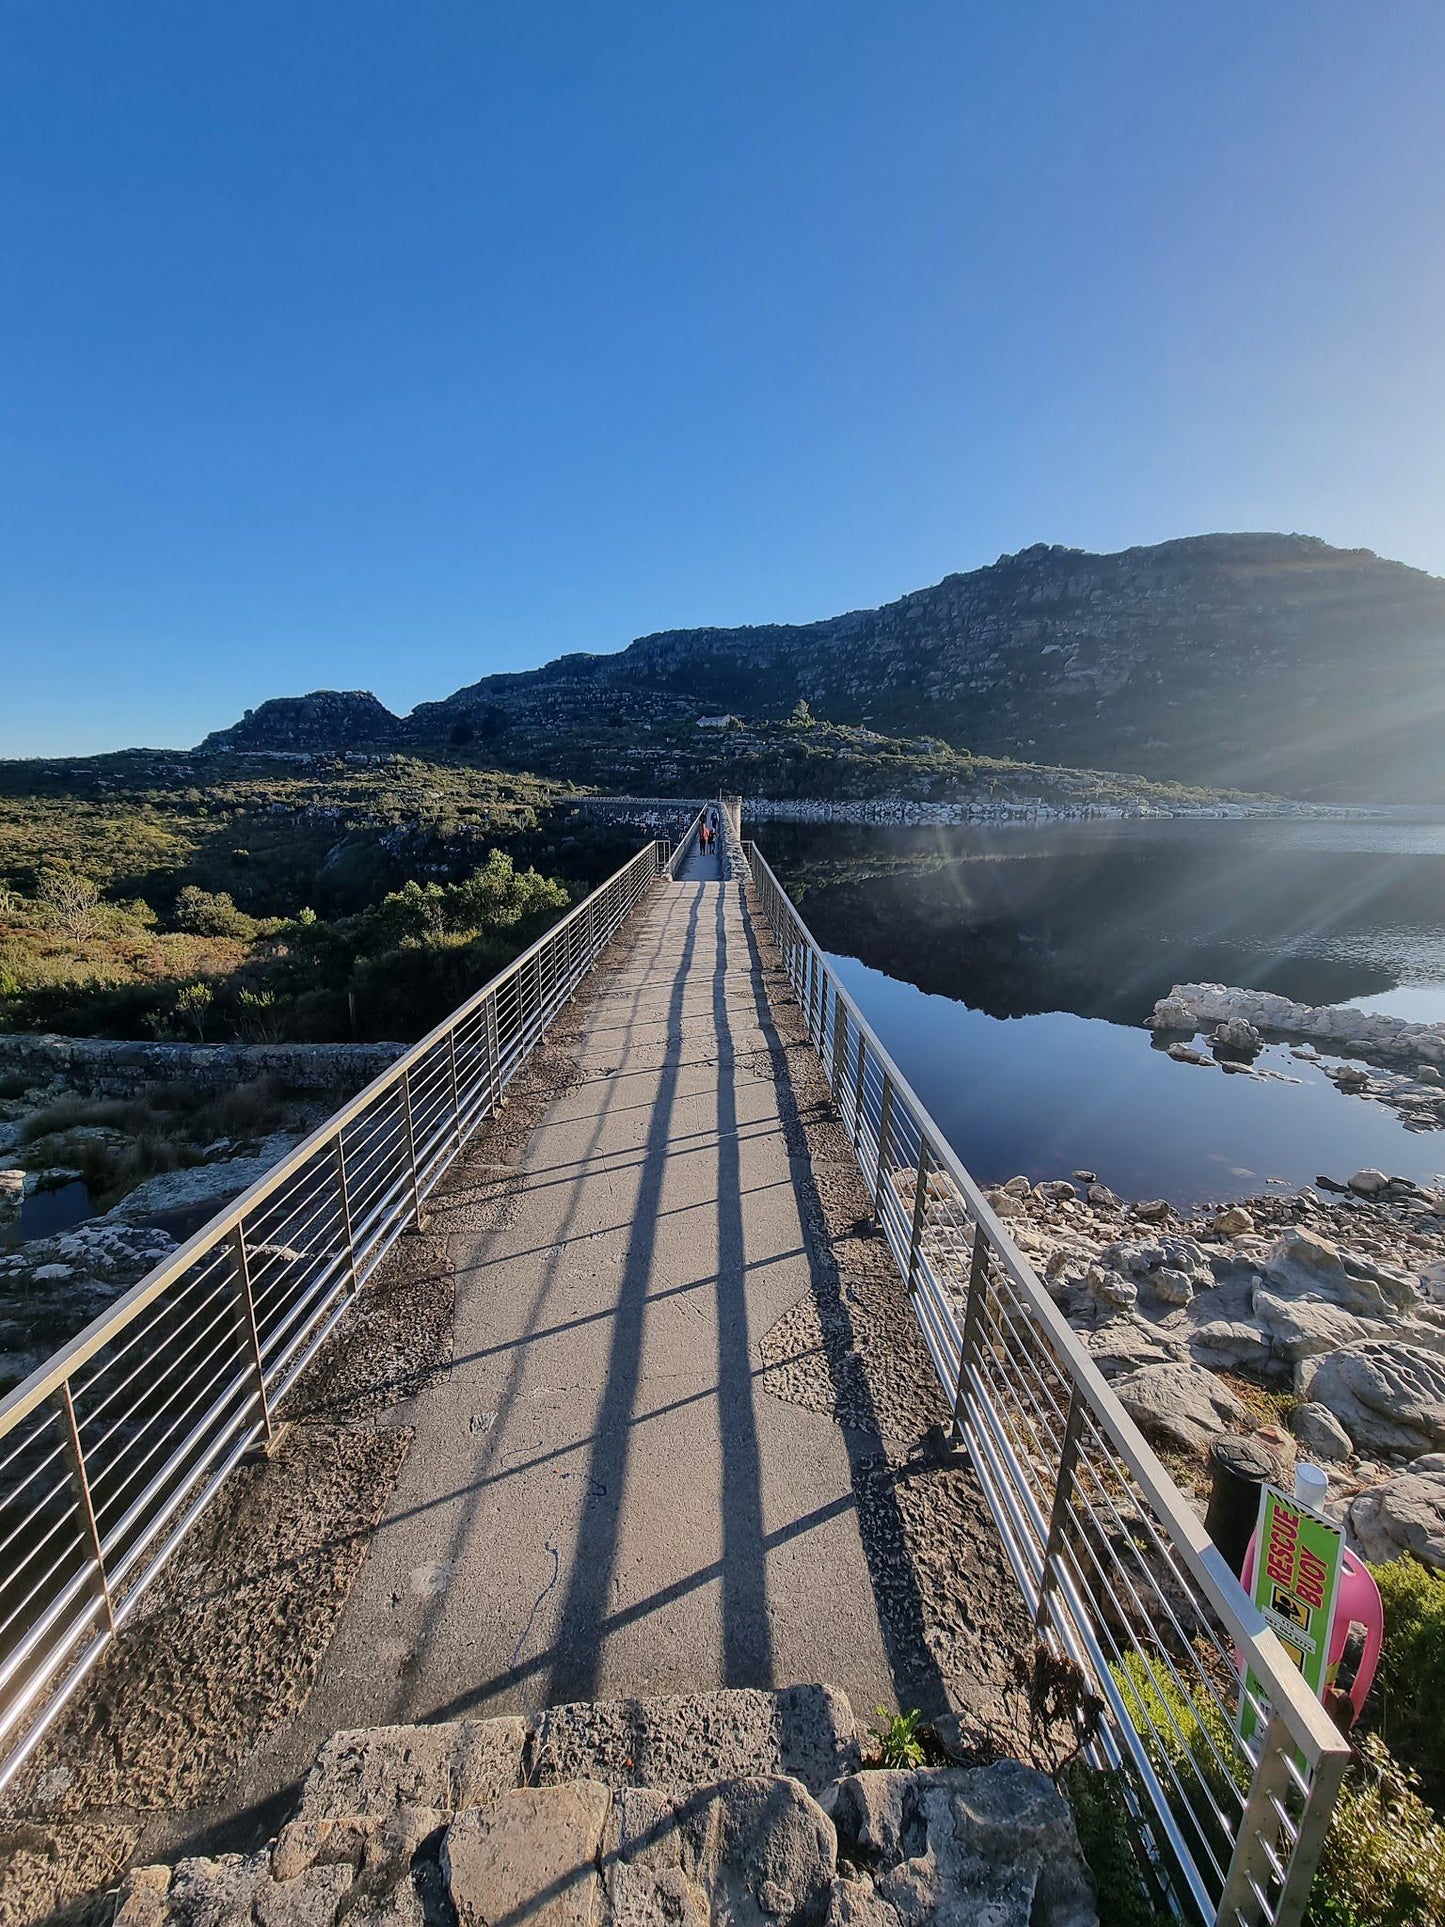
(600, 1500)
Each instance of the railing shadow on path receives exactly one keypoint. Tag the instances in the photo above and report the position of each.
(917, 1679)
(467, 1522)
(747, 1635)
(576, 1659)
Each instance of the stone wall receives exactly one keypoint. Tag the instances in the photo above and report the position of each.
(107, 1068)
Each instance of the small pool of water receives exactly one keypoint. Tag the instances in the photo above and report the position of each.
(45, 1213)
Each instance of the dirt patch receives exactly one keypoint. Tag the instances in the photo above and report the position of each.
(50, 1872)
(195, 1683)
(959, 1639)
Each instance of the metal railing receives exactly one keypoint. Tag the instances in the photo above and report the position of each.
(111, 1451)
(1116, 1570)
(679, 852)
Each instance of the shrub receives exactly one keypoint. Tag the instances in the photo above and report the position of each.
(898, 1738)
(1408, 1700)
(1106, 1836)
(71, 900)
(1383, 1863)
(211, 913)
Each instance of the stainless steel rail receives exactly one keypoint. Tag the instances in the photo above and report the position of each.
(1114, 1567)
(684, 844)
(111, 1452)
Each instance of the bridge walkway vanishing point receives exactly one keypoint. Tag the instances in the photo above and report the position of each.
(600, 1500)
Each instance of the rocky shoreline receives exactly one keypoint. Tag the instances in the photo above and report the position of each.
(1236, 1024)
(1316, 1323)
(656, 813)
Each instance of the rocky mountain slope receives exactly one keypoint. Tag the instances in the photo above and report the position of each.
(328, 719)
(1263, 662)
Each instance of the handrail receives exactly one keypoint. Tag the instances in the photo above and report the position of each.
(112, 1449)
(1115, 1567)
(684, 844)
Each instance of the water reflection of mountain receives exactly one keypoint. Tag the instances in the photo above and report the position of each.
(1102, 925)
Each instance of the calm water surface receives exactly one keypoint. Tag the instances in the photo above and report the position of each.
(45, 1213)
(1009, 973)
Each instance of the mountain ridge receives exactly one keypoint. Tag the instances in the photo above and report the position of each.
(1251, 660)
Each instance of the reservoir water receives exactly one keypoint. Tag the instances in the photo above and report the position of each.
(1009, 972)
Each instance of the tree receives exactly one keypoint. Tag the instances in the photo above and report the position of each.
(192, 1005)
(71, 900)
(802, 715)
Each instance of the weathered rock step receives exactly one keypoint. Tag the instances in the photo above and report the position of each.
(807, 1733)
(411, 1825)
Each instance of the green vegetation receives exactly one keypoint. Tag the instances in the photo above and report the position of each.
(805, 756)
(1383, 1863)
(117, 1143)
(1407, 1702)
(898, 1738)
(208, 898)
(1099, 1799)
(402, 964)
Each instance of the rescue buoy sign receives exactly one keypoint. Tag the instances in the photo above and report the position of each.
(1296, 1584)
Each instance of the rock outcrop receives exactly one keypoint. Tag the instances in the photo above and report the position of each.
(1340, 1303)
(327, 719)
(50, 1287)
(1389, 1396)
(1338, 1027)
(1404, 1514)
(402, 1825)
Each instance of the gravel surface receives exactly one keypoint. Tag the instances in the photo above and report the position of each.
(957, 1631)
(55, 1873)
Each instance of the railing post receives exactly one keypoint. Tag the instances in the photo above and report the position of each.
(840, 1049)
(241, 1260)
(1063, 1497)
(1249, 1866)
(859, 1088)
(75, 1465)
(411, 1149)
(885, 1131)
(494, 1054)
(920, 1212)
(973, 1314)
(456, 1095)
(346, 1210)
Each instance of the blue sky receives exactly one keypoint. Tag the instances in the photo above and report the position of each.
(384, 343)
